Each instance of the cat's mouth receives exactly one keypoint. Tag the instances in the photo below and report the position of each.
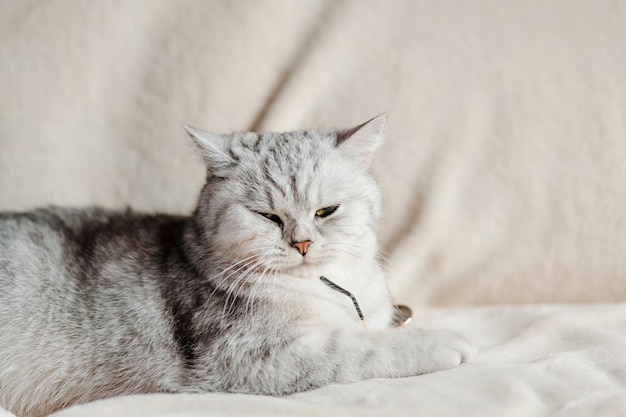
(296, 267)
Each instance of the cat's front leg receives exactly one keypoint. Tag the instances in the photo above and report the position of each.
(397, 352)
(319, 358)
(431, 350)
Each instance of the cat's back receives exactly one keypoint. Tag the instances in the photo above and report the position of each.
(36, 244)
(45, 228)
(68, 248)
(64, 223)
(77, 291)
(50, 252)
(69, 234)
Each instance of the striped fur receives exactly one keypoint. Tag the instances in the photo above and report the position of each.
(95, 303)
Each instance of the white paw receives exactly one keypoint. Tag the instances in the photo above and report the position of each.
(441, 349)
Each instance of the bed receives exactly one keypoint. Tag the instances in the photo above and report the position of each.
(503, 170)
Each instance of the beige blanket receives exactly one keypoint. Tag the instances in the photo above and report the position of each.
(533, 361)
(504, 171)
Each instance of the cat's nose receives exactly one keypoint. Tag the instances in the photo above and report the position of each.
(302, 246)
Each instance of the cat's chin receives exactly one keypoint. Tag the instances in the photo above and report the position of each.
(298, 264)
(305, 271)
(300, 269)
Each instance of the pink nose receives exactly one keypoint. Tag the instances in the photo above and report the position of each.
(302, 247)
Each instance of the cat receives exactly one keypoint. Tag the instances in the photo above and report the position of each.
(97, 303)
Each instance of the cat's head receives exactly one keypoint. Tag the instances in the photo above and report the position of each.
(283, 201)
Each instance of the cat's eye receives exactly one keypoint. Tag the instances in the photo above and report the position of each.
(273, 217)
(326, 211)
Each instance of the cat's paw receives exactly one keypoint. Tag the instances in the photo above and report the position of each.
(442, 350)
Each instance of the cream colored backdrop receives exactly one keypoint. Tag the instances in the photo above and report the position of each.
(504, 171)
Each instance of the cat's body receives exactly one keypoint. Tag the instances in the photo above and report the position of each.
(95, 303)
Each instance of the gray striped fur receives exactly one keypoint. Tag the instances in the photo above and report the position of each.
(96, 303)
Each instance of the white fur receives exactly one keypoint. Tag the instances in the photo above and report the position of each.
(268, 326)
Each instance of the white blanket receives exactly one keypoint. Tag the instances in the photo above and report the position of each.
(504, 170)
(533, 361)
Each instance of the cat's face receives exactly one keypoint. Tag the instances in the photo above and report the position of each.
(285, 202)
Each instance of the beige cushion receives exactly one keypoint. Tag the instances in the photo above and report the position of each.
(504, 172)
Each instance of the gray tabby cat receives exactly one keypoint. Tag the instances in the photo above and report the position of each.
(96, 303)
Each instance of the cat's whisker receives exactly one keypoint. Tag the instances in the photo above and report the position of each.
(229, 295)
(232, 290)
(345, 252)
(385, 263)
(249, 297)
(235, 266)
(222, 279)
(351, 245)
(243, 267)
(379, 256)
(253, 293)
(238, 266)
(360, 247)
(238, 286)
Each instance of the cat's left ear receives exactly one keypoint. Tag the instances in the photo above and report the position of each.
(361, 141)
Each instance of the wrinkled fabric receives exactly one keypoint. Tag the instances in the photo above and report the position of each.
(541, 360)
(503, 170)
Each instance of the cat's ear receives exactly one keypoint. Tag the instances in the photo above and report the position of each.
(211, 147)
(361, 141)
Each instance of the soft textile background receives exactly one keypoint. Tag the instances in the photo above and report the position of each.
(505, 167)
(535, 361)
(504, 172)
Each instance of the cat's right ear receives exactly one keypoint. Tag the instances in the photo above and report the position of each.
(360, 142)
(211, 147)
